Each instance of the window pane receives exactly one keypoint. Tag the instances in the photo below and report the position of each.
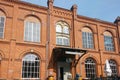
(59, 40)
(113, 67)
(30, 66)
(62, 30)
(108, 43)
(32, 32)
(66, 30)
(58, 28)
(90, 67)
(1, 27)
(87, 40)
(66, 41)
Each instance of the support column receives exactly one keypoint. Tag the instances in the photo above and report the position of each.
(50, 24)
(12, 51)
(74, 17)
(100, 49)
(117, 22)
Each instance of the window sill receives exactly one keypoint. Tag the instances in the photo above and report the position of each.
(62, 45)
(109, 52)
(31, 43)
(30, 79)
(3, 40)
(90, 50)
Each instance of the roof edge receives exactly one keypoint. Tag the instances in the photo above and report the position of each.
(27, 3)
(95, 19)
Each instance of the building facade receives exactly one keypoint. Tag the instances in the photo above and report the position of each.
(36, 42)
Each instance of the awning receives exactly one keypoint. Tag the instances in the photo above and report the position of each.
(61, 53)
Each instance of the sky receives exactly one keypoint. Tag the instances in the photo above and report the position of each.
(107, 10)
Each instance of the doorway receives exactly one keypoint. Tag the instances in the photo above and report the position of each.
(63, 71)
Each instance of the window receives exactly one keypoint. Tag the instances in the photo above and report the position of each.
(32, 30)
(108, 42)
(30, 67)
(87, 38)
(113, 67)
(2, 23)
(62, 40)
(62, 34)
(90, 67)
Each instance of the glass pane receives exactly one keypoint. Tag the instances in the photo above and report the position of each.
(58, 28)
(113, 67)
(66, 30)
(30, 66)
(108, 43)
(59, 40)
(65, 41)
(1, 27)
(87, 40)
(90, 68)
(32, 31)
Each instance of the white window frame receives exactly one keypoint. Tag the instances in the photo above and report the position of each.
(109, 48)
(113, 67)
(32, 32)
(86, 68)
(37, 78)
(85, 40)
(63, 42)
(63, 35)
(3, 27)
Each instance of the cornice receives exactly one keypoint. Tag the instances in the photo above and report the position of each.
(96, 20)
(26, 3)
(62, 12)
(62, 8)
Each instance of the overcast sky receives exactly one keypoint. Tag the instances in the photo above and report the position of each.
(107, 10)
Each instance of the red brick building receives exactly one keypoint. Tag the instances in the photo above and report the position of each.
(37, 41)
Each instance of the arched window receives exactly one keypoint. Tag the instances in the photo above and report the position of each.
(30, 66)
(108, 41)
(113, 67)
(87, 38)
(2, 24)
(62, 34)
(32, 29)
(90, 68)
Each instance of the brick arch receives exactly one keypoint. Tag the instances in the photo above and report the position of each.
(31, 51)
(33, 15)
(89, 27)
(4, 11)
(85, 29)
(90, 56)
(110, 31)
(62, 21)
(114, 59)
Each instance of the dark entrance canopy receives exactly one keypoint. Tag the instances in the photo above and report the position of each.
(66, 54)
